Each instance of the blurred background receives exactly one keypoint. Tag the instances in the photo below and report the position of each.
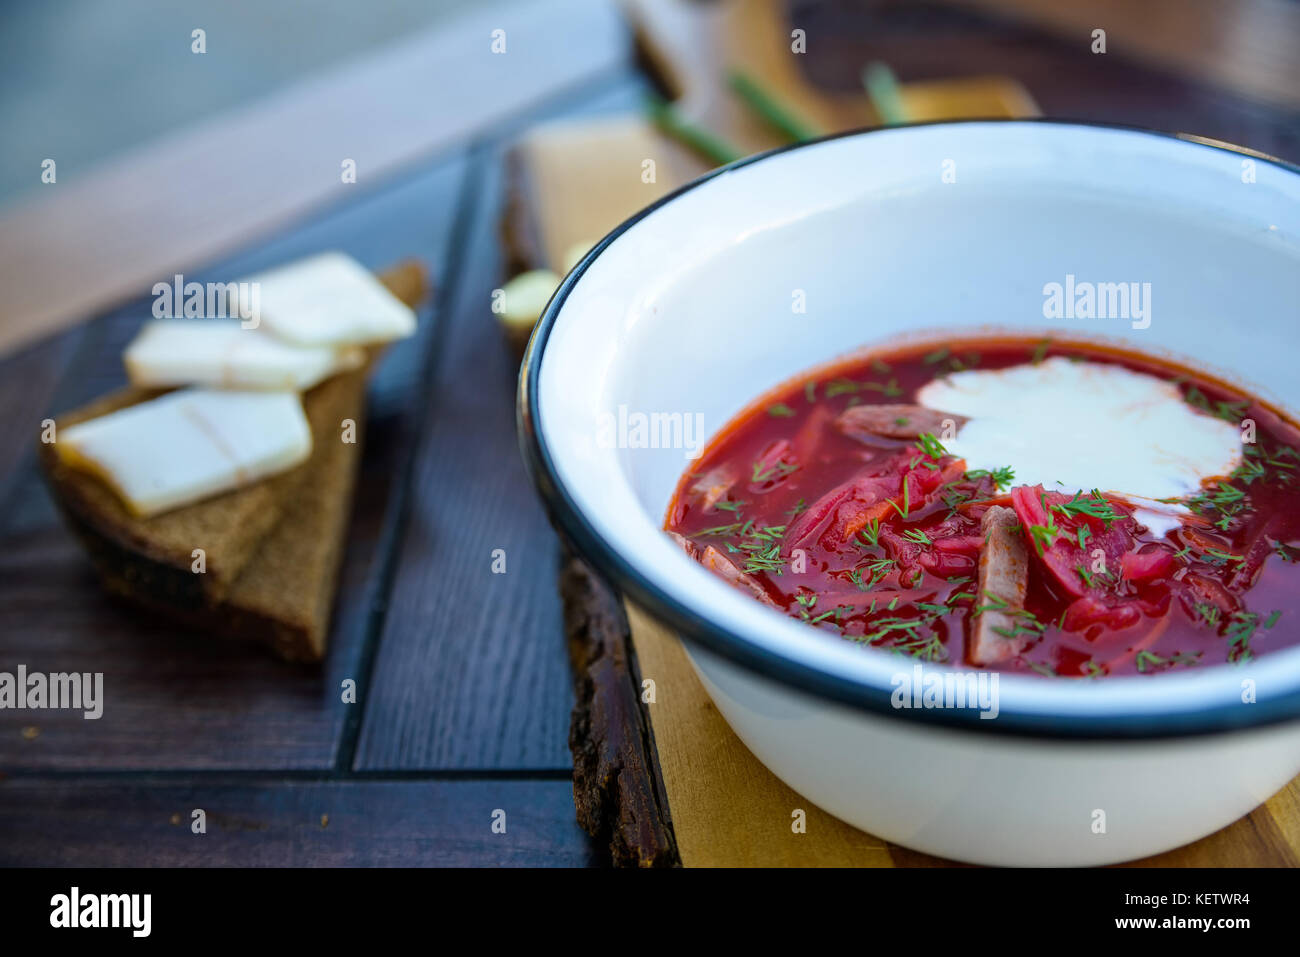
(85, 80)
(182, 131)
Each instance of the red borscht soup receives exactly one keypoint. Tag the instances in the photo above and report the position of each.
(1036, 506)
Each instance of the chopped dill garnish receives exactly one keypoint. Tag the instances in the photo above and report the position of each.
(1002, 478)
(1241, 629)
(1208, 612)
(1044, 535)
(1149, 661)
(878, 568)
(837, 613)
(1047, 671)
(954, 497)
(925, 647)
(1226, 499)
(1223, 557)
(1248, 471)
(931, 446)
(780, 410)
(764, 557)
(778, 469)
(890, 388)
(1232, 412)
(907, 500)
(1027, 622)
(1095, 506)
(720, 530)
(871, 533)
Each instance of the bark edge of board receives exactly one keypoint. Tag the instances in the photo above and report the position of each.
(619, 797)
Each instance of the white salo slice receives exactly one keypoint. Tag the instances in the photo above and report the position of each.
(188, 445)
(1073, 426)
(325, 300)
(221, 353)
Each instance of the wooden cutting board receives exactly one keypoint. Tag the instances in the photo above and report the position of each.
(669, 783)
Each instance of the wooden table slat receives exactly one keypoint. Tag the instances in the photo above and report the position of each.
(472, 671)
(273, 823)
(174, 700)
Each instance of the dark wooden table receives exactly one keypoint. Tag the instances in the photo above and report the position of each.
(464, 686)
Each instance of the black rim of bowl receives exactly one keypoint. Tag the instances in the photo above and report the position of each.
(720, 640)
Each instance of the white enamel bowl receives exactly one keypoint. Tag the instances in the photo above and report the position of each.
(689, 308)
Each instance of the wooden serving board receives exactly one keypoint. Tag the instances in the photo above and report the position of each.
(669, 783)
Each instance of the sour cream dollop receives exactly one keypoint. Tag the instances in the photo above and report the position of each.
(1073, 426)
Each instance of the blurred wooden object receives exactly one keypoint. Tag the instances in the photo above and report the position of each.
(1250, 46)
(976, 96)
(694, 48)
(574, 182)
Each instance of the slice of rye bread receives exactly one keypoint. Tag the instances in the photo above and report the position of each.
(271, 549)
(283, 596)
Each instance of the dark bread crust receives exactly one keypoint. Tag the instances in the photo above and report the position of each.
(157, 553)
(283, 596)
(272, 549)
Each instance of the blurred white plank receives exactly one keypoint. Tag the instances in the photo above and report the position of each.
(173, 204)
